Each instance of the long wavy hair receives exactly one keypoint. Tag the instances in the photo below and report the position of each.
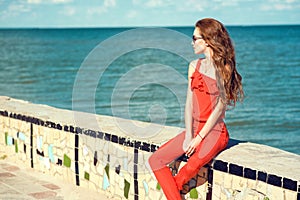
(229, 81)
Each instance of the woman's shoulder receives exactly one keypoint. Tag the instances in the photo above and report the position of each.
(192, 67)
(194, 63)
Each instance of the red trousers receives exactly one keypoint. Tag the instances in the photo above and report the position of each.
(208, 148)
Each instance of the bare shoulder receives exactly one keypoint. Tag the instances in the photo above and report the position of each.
(193, 63)
(192, 67)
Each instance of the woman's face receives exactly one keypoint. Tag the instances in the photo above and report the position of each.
(198, 43)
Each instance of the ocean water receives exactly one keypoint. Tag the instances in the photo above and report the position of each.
(141, 74)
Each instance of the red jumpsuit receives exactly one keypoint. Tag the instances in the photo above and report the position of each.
(205, 95)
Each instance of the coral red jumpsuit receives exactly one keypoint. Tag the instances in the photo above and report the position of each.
(205, 95)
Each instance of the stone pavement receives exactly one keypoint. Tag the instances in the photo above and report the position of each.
(26, 183)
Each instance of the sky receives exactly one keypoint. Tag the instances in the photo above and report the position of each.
(142, 13)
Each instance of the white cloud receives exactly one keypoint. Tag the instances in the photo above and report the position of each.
(61, 1)
(48, 1)
(282, 7)
(69, 11)
(132, 14)
(193, 5)
(34, 1)
(109, 3)
(154, 3)
(96, 10)
(18, 8)
(158, 3)
(101, 9)
(279, 5)
(136, 2)
(14, 9)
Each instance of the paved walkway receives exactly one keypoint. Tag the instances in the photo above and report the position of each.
(24, 183)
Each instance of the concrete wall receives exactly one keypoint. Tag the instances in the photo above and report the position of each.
(105, 156)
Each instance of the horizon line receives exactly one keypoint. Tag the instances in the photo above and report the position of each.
(146, 26)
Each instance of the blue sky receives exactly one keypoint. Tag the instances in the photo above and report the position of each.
(116, 13)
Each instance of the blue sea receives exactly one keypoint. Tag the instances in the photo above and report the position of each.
(141, 74)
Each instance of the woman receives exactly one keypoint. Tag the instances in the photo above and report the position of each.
(213, 84)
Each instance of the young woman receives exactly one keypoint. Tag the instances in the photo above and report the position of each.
(213, 84)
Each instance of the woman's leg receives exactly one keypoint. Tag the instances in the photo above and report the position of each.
(158, 162)
(211, 145)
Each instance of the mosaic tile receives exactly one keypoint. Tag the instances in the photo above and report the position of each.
(16, 147)
(146, 187)
(11, 168)
(99, 135)
(118, 168)
(194, 193)
(43, 195)
(85, 151)
(6, 136)
(67, 161)
(86, 176)
(95, 158)
(21, 136)
(50, 153)
(289, 184)
(76, 154)
(105, 183)
(125, 164)
(107, 170)
(51, 186)
(47, 163)
(39, 142)
(6, 175)
(274, 180)
(126, 188)
(10, 140)
(158, 186)
(41, 153)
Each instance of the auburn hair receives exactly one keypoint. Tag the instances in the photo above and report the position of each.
(229, 81)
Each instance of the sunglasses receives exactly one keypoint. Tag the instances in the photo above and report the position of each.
(196, 38)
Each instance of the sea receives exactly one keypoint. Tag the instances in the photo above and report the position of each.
(141, 74)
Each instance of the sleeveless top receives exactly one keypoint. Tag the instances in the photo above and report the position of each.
(205, 95)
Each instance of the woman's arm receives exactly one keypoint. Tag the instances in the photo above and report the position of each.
(189, 108)
(210, 123)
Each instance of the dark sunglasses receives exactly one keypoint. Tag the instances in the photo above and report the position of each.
(196, 38)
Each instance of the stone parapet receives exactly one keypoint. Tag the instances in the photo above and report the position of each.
(105, 156)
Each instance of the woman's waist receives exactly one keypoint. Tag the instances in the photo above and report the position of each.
(199, 123)
(202, 118)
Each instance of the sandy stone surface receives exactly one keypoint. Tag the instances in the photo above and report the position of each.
(17, 182)
(263, 158)
(147, 132)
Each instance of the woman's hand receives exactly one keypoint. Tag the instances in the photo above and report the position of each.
(193, 145)
(187, 141)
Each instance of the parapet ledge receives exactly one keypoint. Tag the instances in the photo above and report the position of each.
(261, 158)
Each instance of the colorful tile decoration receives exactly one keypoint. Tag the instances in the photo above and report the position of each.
(146, 187)
(16, 146)
(126, 188)
(131, 178)
(10, 140)
(158, 186)
(39, 142)
(107, 170)
(50, 153)
(67, 161)
(21, 136)
(194, 193)
(86, 176)
(105, 183)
